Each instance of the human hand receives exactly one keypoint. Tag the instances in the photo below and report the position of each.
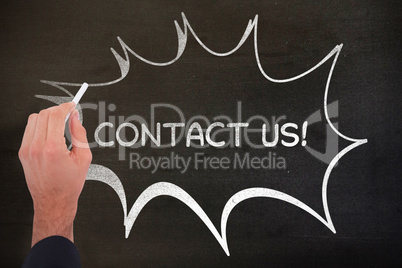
(55, 176)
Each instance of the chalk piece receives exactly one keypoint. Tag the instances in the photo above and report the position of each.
(78, 96)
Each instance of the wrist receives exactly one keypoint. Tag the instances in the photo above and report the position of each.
(54, 209)
(55, 221)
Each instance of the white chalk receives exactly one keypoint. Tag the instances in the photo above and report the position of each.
(79, 95)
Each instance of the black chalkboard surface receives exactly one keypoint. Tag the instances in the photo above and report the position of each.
(286, 146)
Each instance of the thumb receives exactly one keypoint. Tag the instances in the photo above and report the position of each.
(79, 139)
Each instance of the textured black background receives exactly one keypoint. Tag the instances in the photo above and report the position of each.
(70, 41)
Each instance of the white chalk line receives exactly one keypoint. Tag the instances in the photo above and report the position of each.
(182, 37)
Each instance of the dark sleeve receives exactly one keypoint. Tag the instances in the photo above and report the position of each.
(53, 251)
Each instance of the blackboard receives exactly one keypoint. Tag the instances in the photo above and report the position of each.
(333, 198)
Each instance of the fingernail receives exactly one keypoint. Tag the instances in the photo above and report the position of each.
(77, 115)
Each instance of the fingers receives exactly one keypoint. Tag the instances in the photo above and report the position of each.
(40, 130)
(56, 124)
(28, 135)
(48, 126)
(79, 139)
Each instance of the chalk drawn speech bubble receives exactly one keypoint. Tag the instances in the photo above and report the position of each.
(107, 176)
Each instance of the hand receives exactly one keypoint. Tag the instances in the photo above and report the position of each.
(55, 176)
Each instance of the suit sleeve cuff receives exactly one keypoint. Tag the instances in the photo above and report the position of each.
(53, 251)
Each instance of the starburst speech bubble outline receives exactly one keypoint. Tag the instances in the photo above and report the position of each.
(103, 174)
